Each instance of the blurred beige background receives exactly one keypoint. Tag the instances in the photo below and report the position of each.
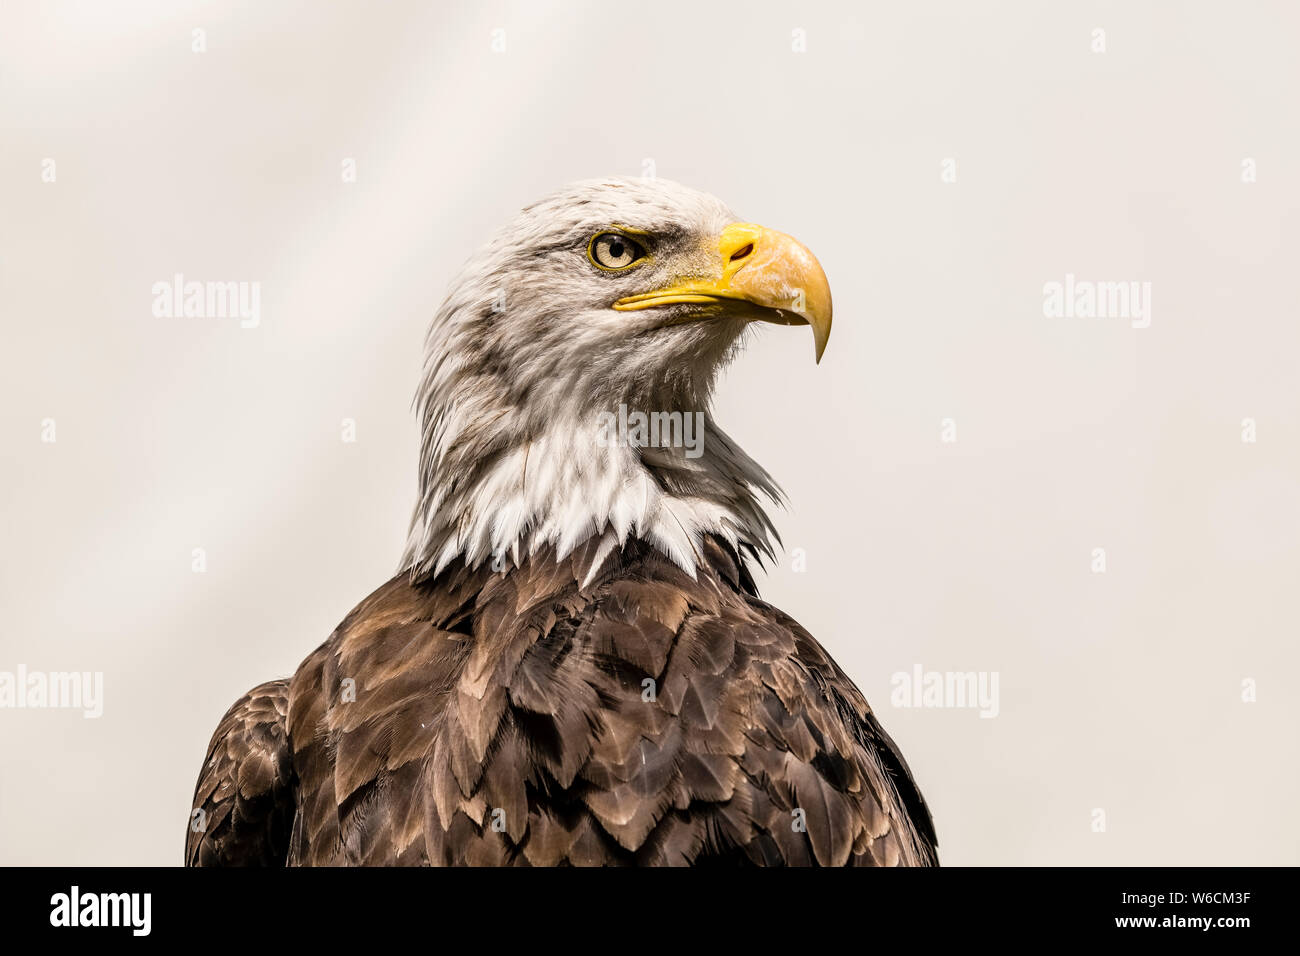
(1119, 691)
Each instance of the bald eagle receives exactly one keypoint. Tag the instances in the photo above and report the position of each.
(573, 665)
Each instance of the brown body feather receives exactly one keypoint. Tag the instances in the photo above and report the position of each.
(521, 719)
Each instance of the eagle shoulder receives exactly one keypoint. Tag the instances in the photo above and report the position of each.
(852, 748)
(364, 710)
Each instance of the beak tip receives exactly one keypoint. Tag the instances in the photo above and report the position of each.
(821, 335)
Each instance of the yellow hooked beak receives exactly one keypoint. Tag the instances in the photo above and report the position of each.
(762, 266)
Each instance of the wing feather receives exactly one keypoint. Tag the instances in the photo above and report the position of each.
(244, 802)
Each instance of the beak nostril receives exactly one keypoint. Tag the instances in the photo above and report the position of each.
(742, 252)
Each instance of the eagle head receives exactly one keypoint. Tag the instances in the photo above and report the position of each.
(607, 302)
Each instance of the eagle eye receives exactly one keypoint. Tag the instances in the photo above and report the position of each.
(613, 251)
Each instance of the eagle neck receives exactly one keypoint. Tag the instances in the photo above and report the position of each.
(668, 477)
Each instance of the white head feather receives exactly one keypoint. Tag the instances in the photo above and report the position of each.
(524, 356)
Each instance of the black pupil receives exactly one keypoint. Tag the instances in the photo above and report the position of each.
(616, 249)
